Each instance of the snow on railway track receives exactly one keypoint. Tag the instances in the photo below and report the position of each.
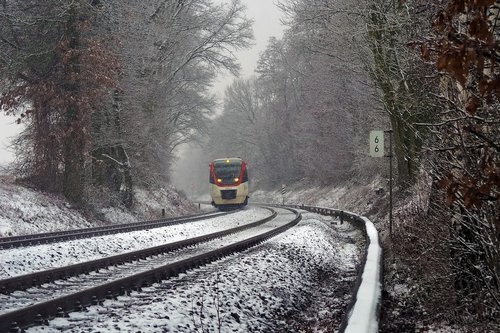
(264, 289)
(80, 288)
(254, 290)
(65, 235)
(74, 284)
(25, 260)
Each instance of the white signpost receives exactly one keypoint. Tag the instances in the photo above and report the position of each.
(377, 143)
(377, 150)
(283, 191)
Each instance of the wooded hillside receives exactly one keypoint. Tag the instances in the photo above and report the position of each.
(427, 70)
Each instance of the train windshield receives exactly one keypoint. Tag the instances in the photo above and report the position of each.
(227, 172)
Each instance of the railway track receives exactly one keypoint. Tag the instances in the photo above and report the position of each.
(56, 292)
(52, 237)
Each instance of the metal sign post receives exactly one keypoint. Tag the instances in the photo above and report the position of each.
(390, 181)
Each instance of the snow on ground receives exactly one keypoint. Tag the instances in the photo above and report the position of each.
(300, 280)
(26, 211)
(30, 259)
(269, 288)
(364, 198)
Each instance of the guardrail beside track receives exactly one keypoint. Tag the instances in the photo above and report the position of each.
(364, 310)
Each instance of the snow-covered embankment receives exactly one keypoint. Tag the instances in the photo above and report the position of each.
(363, 314)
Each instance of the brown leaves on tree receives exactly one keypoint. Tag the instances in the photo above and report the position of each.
(465, 43)
(474, 191)
(454, 62)
(465, 46)
(480, 29)
(472, 105)
(61, 97)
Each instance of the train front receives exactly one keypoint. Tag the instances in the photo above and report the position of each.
(228, 183)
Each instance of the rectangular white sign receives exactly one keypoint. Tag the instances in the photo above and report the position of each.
(377, 143)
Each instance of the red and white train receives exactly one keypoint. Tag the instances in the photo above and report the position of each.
(229, 183)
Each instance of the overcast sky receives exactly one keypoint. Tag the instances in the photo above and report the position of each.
(8, 129)
(267, 24)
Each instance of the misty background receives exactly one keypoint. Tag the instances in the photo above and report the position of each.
(190, 171)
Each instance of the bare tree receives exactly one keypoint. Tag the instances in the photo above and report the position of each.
(60, 60)
(172, 56)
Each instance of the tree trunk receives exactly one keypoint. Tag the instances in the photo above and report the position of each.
(74, 142)
(386, 72)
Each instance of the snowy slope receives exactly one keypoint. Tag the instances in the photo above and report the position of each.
(25, 211)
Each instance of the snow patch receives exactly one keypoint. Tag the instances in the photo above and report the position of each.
(27, 211)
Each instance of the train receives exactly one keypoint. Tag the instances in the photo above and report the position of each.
(229, 183)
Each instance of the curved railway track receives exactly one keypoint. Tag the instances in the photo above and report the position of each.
(86, 283)
(59, 236)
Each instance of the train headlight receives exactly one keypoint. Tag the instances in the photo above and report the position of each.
(219, 180)
(236, 179)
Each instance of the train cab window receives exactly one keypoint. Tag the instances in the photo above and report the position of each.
(227, 172)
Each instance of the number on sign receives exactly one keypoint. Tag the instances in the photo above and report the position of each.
(377, 143)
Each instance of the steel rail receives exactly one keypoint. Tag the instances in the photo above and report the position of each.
(39, 313)
(26, 281)
(52, 237)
